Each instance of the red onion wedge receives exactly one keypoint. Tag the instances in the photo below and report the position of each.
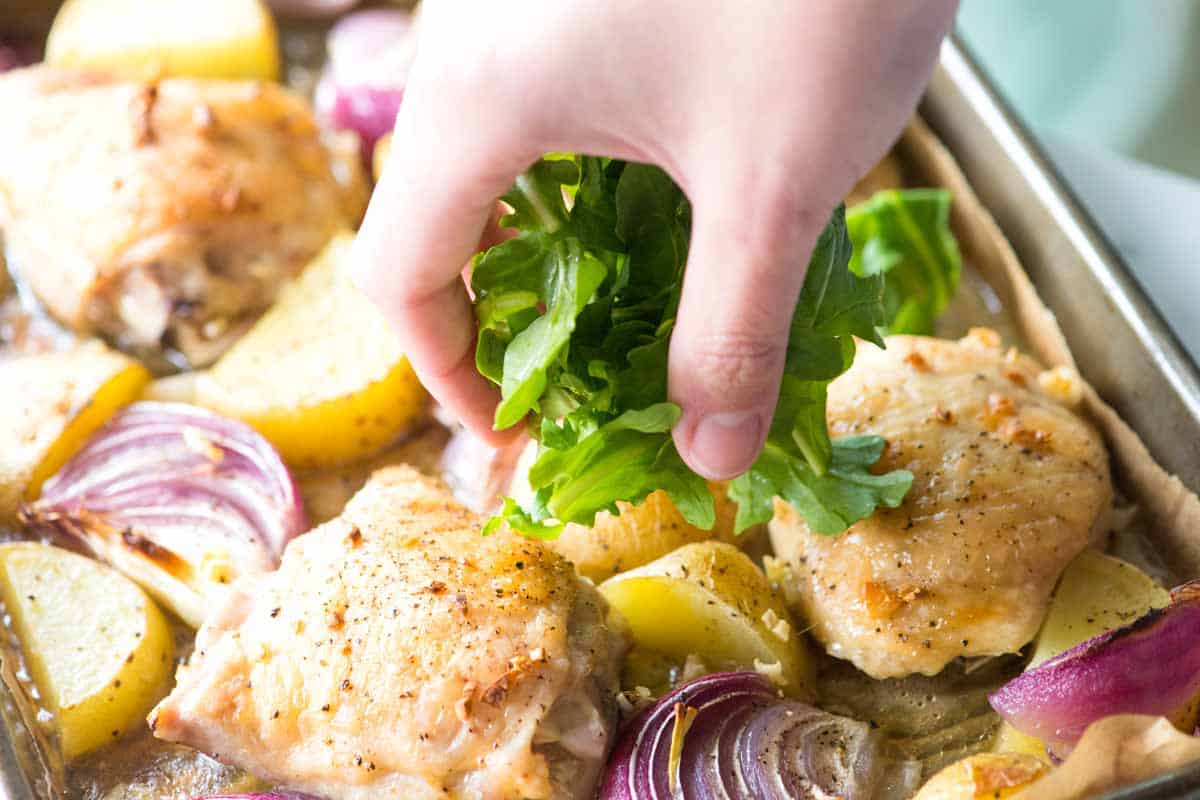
(360, 90)
(729, 736)
(258, 796)
(1151, 666)
(8, 59)
(14, 55)
(180, 499)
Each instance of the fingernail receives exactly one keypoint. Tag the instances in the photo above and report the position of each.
(725, 443)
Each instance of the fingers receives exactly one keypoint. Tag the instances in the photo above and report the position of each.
(425, 221)
(748, 256)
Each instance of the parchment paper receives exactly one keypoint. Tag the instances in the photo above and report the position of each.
(1120, 750)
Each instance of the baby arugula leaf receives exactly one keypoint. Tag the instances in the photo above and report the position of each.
(575, 316)
(905, 235)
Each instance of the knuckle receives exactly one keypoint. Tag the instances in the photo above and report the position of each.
(777, 221)
(736, 366)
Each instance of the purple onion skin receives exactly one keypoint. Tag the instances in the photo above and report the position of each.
(745, 743)
(1151, 666)
(369, 111)
(14, 55)
(362, 85)
(8, 59)
(653, 721)
(149, 471)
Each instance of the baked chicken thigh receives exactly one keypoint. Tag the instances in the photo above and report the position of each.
(1008, 483)
(397, 653)
(164, 213)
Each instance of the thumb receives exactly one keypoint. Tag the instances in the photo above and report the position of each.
(745, 269)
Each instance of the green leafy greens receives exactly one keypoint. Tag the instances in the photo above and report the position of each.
(905, 234)
(575, 314)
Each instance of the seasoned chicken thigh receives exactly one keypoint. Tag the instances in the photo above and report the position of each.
(164, 213)
(1008, 483)
(398, 653)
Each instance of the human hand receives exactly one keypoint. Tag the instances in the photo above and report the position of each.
(764, 112)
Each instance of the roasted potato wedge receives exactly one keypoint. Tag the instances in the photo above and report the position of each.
(639, 534)
(708, 600)
(1096, 593)
(178, 388)
(1010, 740)
(636, 536)
(320, 375)
(985, 775)
(227, 39)
(99, 650)
(50, 404)
(380, 154)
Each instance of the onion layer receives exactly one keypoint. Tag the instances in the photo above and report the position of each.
(18, 54)
(369, 53)
(180, 499)
(729, 736)
(1151, 666)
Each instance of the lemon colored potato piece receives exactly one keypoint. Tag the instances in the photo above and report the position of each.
(1096, 593)
(710, 601)
(985, 775)
(178, 388)
(50, 403)
(321, 374)
(226, 39)
(98, 649)
(1010, 740)
(379, 155)
(639, 534)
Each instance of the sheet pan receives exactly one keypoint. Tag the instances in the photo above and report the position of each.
(1119, 341)
(1117, 338)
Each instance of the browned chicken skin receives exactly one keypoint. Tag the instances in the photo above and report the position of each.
(164, 213)
(1008, 483)
(397, 653)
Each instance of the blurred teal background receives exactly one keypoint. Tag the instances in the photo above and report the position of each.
(1112, 90)
(1119, 74)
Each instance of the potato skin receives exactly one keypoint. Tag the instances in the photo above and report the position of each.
(99, 649)
(49, 405)
(320, 375)
(709, 600)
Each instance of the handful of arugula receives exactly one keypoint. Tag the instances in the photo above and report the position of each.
(575, 314)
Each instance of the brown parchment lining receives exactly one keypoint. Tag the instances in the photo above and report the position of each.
(1119, 750)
